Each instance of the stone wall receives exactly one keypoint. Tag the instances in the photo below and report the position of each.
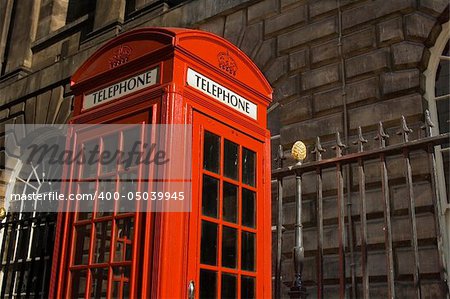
(334, 64)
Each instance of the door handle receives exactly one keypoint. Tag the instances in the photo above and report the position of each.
(191, 290)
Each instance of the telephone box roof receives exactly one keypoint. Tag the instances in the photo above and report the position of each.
(201, 46)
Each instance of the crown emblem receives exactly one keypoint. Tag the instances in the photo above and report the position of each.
(227, 63)
(120, 56)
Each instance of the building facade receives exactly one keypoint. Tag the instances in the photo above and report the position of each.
(334, 65)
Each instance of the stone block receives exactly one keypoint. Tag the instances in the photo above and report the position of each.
(20, 37)
(325, 51)
(390, 31)
(327, 99)
(107, 12)
(361, 40)
(357, 91)
(234, 26)
(42, 103)
(407, 54)
(321, 76)
(216, 26)
(277, 69)
(45, 18)
(422, 195)
(273, 120)
(30, 107)
(298, 109)
(4, 113)
(298, 60)
(428, 260)
(266, 52)
(418, 26)
(286, 19)
(285, 3)
(308, 211)
(317, 8)
(400, 81)
(310, 129)
(307, 33)
(389, 110)
(253, 37)
(374, 9)
(55, 100)
(261, 10)
(64, 111)
(286, 87)
(436, 7)
(369, 62)
(363, 90)
(46, 56)
(17, 108)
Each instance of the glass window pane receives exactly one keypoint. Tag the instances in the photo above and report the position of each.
(443, 114)
(210, 195)
(248, 208)
(248, 167)
(131, 144)
(128, 183)
(102, 242)
(211, 152)
(83, 237)
(99, 282)
(124, 239)
(208, 284)
(247, 287)
(87, 188)
(446, 51)
(108, 157)
(78, 284)
(105, 197)
(442, 78)
(228, 286)
(230, 159)
(230, 202)
(248, 251)
(208, 250)
(91, 151)
(229, 247)
(121, 282)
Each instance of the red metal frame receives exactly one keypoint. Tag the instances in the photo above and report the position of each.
(168, 256)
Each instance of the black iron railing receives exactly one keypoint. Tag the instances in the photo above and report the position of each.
(352, 251)
(27, 242)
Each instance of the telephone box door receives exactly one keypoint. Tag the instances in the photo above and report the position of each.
(225, 232)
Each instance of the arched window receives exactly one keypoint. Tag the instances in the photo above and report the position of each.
(437, 93)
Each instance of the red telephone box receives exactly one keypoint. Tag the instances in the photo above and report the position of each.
(222, 247)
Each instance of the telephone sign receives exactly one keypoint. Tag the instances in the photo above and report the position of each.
(120, 89)
(220, 93)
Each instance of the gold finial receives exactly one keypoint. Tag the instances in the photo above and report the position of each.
(299, 151)
(2, 213)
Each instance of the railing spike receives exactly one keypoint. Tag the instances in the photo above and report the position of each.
(381, 135)
(340, 146)
(428, 124)
(280, 156)
(404, 131)
(318, 149)
(360, 141)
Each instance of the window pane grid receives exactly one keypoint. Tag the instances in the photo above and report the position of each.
(104, 245)
(227, 225)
